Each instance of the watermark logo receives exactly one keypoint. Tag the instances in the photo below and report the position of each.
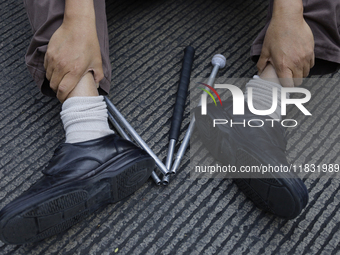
(208, 92)
(238, 100)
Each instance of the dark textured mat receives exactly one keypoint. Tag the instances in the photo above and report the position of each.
(147, 39)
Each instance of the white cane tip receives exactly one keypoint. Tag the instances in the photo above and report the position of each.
(220, 60)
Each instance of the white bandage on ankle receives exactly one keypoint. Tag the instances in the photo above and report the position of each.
(262, 92)
(85, 118)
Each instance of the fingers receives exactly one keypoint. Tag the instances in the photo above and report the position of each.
(56, 78)
(306, 70)
(292, 72)
(98, 75)
(301, 70)
(261, 63)
(54, 71)
(312, 61)
(291, 78)
(97, 71)
(62, 82)
(67, 84)
(47, 67)
(285, 76)
(298, 77)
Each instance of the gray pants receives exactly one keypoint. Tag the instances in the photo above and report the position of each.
(46, 16)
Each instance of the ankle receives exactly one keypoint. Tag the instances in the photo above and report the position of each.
(84, 119)
(85, 88)
(269, 74)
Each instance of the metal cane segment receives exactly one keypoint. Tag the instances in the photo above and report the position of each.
(218, 61)
(114, 111)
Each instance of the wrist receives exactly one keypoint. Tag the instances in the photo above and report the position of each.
(288, 8)
(79, 11)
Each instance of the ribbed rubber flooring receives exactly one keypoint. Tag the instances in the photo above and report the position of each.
(147, 39)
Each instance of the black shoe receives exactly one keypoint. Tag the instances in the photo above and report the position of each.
(282, 194)
(79, 179)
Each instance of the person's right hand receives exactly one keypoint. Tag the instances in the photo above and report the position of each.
(73, 51)
(288, 44)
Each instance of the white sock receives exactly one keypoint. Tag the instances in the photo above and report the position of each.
(85, 118)
(263, 95)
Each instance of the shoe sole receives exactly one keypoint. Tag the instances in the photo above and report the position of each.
(56, 210)
(285, 196)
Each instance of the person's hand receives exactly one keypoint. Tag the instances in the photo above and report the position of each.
(289, 46)
(73, 51)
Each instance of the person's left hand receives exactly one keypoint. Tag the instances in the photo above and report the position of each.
(72, 52)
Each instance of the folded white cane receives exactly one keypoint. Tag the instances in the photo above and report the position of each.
(177, 115)
(218, 61)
